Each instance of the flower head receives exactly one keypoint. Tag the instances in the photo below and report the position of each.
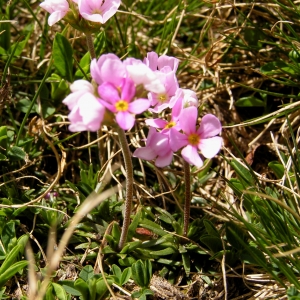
(86, 109)
(98, 11)
(108, 68)
(142, 74)
(163, 100)
(157, 147)
(57, 9)
(120, 101)
(204, 138)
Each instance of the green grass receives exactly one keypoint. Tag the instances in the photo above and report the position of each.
(243, 63)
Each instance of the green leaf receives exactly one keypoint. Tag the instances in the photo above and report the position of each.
(86, 273)
(186, 263)
(277, 168)
(3, 139)
(243, 173)
(134, 224)
(117, 272)
(68, 285)
(59, 292)
(234, 236)
(83, 288)
(210, 228)
(163, 252)
(24, 105)
(212, 242)
(101, 287)
(253, 256)
(293, 293)
(142, 272)
(16, 153)
(250, 101)
(8, 236)
(59, 86)
(130, 247)
(126, 262)
(278, 67)
(11, 271)
(63, 57)
(125, 276)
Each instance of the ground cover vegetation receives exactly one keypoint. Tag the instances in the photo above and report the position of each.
(149, 149)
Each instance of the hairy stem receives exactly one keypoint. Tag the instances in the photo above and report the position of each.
(187, 204)
(129, 185)
(90, 44)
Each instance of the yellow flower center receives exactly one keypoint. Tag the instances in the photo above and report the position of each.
(121, 105)
(97, 11)
(162, 98)
(194, 139)
(170, 125)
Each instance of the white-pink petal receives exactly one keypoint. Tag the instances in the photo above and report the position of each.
(177, 140)
(125, 120)
(188, 119)
(191, 155)
(138, 106)
(157, 123)
(163, 161)
(92, 111)
(56, 8)
(211, 146)
(144, 153)
(98, 11)
(210, 126)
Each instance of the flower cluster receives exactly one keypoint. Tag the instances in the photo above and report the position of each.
(98, 11)
(118, 91)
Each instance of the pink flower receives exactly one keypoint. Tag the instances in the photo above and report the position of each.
(189, 98)
(86, 110)
(157, 147)
(98, 11)
(142, 74)
(161, 101)
(56, 8)
(173, 123)
(154, 62)
(204, 138)
(108, 68)
(122, 104)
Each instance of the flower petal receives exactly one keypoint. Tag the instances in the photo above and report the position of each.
(145, 153)
(163, 161)
(191, 155)
(170, 61)
(188, 119)
(92, 111)
(177, 139)
(211, 146)
(138, 106)
(151, 60)
(157, 123)
(209, 127)
(108, 92)
(125, 120)
(127, 89)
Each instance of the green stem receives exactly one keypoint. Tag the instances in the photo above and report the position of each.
(129, 185)
(187, 204)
